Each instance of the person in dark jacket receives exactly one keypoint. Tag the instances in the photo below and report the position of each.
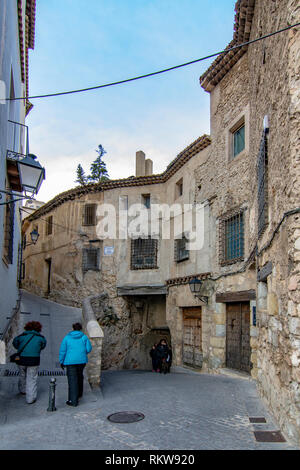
(73, 354)
(162, 353)
(153, 355)
(29, 362)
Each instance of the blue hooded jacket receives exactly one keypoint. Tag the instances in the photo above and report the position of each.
(74, 349)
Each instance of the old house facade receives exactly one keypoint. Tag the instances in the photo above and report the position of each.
(17, 32)
(245, 177)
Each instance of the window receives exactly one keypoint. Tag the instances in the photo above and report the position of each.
(8, 247)
(49, 225)
(179, 188)
(146, 200)
(238, 141)
(232, 238)
(143, 253)
(181, 252)
(90, 259)
(89, 215)
(262, 177)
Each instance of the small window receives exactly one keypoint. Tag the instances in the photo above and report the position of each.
(144, 253)
(232, 238)
(49, 225)
(89, 215)
(181, 252)
(146, 200)
(238, 141)
(90, 259)
(179, 188)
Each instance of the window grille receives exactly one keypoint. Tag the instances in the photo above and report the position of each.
(181, 252)
(9, 230)
(90, 259)
(49, 225)
(143, 253)
(238, 141)
(262, 185)
(89, 215)
(232, 238)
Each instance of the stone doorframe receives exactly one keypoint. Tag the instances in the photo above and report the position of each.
(218, 331)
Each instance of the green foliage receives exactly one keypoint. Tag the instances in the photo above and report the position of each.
(81, 178)
(98, 171)
(98, 167)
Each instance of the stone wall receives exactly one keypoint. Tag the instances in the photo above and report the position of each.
(274, 91)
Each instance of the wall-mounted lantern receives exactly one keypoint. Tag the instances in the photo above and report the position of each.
(196, 288)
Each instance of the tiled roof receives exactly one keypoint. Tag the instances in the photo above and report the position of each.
(182, 158)
(244, 10)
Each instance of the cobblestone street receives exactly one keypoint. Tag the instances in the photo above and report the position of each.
(184, 410)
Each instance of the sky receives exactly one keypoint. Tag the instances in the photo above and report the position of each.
(82, 43)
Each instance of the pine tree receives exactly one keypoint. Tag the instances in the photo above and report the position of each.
(81, 178)
(98, 167)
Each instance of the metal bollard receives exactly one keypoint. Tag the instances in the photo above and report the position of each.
(52, 387)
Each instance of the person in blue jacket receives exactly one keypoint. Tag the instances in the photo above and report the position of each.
(73, 355)
(30, 343)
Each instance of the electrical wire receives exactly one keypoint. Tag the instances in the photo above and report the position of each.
(151, 74)
(53, 223)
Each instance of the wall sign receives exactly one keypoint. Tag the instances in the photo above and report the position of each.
(109, 250)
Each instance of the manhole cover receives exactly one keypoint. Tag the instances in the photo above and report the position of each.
(126, 417)
(269, 436)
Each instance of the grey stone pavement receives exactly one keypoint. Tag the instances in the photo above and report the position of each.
(183, 410)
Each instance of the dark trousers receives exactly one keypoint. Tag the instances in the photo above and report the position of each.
(75, 382)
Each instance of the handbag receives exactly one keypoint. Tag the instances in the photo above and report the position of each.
(17, 356)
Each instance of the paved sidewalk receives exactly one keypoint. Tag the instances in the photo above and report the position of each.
(183, 410)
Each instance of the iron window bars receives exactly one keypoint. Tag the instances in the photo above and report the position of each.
(232, 238)
(181, 253)
(89, 215)
(90, 259)
(262, 184)
(144, 253)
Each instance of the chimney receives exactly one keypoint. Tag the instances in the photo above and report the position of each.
(140, 164)
(148, 167)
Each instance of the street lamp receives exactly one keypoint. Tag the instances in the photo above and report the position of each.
(34, 237)
(195, 287)
(31, 173)
(24, 173)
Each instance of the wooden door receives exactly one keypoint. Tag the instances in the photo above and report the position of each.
(192, 337)
(238, 336)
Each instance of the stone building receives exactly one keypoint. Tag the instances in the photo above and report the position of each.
(17, 33)
(245, 177)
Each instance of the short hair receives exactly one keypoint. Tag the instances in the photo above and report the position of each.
(33, 325)
(77, 326)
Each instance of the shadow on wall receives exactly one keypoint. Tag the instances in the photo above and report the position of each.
(138, 357)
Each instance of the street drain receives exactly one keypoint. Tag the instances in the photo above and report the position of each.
(41, 373)
(126, 417)
(269, 436)
(257, 420)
